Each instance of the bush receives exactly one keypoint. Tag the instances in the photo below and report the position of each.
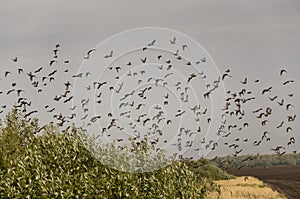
(57, 165)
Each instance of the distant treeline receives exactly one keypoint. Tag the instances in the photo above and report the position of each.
(257, 161)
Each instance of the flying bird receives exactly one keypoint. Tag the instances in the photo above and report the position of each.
(144, 60)
(152, 43)
(225, 75)
(89, 53)
(245, 81)
(282, 72)
(173, 41)
(52, 62)
(7, 73)
(287, 82)
(109, 55)
(191, 77)
(266, 90)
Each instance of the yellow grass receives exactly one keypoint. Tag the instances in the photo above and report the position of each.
(238, 188)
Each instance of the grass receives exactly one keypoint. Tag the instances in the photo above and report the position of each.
(238, 188)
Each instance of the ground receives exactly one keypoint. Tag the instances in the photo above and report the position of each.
(285, 179)
(243, 188)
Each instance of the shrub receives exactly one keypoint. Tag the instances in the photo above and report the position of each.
(57, 165)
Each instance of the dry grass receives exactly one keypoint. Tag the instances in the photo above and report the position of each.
(238, 188)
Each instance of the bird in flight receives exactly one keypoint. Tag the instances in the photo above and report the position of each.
(287, 82)
(109, 55)
(89, 53)
(191, 77)
(152, 43)
(144, 60)
(282, 72)
(173, 41)
(267, 90)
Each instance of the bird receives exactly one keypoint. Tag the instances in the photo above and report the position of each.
(152, 43)
(89, 53)
(184, 47)
(20, 70)
(51, 110)
(52, 62)
(245, 81)
(273, 98)
(55, 52)
(288, 106)
(7, 73)
(191, 77)
(56, 98)
(15, 59)
(263, 123)
(287, 82)
(109, 55)
(139, 106)
(280, 125)
(280, 103)
(118, 68)
(67, 85)
(10, 91)
(95, 118)
(144, 59)
(69, 99)
(52, 73)
(145, 121)
(291, 118)
(30, 113)
(173, 41)
(225, 75)
(38, 70)
(289, 129)
(180, 113)
(282, 72)
(266, 90)
(19, 92)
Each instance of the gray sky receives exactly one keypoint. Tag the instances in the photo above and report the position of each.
(253, 38)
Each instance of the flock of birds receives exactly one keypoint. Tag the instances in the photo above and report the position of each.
(153, 102)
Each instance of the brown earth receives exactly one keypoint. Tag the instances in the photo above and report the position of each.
(285, 179)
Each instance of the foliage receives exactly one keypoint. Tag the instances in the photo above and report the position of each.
(57, 165)
(258, 160)
(203, 168)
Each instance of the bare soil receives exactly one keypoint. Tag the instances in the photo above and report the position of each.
(285, 179)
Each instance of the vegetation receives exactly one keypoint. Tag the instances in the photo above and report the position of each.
(258, 160)
(57, 165)
(238, 188)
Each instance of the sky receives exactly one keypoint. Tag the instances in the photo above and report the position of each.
(253, 38)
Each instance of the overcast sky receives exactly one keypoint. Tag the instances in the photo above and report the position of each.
(254, 38)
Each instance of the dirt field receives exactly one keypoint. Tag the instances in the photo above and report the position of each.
(285, 179)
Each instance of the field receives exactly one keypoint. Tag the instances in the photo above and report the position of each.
(239, 188)
(285, 179)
